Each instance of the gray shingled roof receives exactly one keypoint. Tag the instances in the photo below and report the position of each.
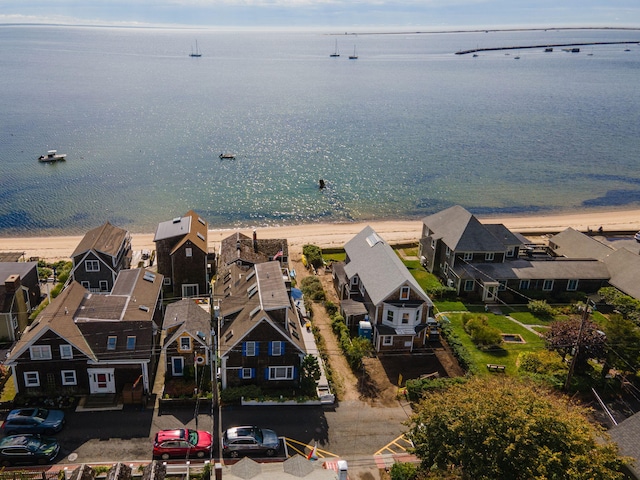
(624, 267)
(573, 244)
(188, 316)
(106, 238)
(627, 435)
(531, 270)
(378, 267)
(15, 268)
(463, 232)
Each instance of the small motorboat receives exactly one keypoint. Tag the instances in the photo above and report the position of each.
(637, 237)
(52, 156)
(227, 156)
(321, 184)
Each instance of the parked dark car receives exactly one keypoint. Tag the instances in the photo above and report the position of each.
(33, 420)
(28, 449)
(183, 443)
(241, 441)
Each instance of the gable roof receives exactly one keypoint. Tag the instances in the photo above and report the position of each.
(190, 227)
(463, 232)
(250, 250)
(624, 266)
(379, 268)
(15, 268)
(189, 317)
(573, 244)
(258, 297)
(107, 239)
(523, 269)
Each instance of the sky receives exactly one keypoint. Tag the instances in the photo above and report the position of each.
(338, 14)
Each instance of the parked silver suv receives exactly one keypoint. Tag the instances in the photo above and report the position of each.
(247, 440)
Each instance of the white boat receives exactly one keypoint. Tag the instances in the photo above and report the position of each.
(335, 52)
(196, 53)
(355, 55)
(637, 237)
(52, 156)
(227, 156)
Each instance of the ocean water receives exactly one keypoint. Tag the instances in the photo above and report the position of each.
(407, 129)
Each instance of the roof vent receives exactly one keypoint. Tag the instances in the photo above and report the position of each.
(176, 219)
(202, 221)
(144, 308)
(373, 239)
(228, 336)
(200, 236)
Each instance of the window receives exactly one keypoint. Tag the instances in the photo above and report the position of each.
(525, 284)
(448, 252)
(390, 316)
(167, 281)
(404, 293)
(69, 377)
(188, 252)
(131, 343)
(511, 251)
(405, 318)
(277, 349)
(190, 290)
(92, 266)
(433, 243)
(468, 285)
(387, 340)
(467, 257)
(280, 373)
(502, 285)
(547, 285)
(66, 351)
(104, 286)
(85, 284)
(572, 285)
(247, 373)
(31, 379)
(111, 342)
(40, 352)
(249, 349)
(185, 344)
(489, 256)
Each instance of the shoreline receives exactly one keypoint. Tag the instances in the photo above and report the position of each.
(335, 235)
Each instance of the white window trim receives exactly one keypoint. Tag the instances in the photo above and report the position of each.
(104, 286)
(181, 347)
(489, 256)
(575, 285)
(544, 285)
(387, 340)
(468, 285)
(188, 252)
(65, 381)
(109, 342)
(66, 351)
(511, 251)
(129, 346)
(405, 293)
(288, 370)
(91, 265)
(167, 281)
(277, 353)
(188, 286)
(247, 373)
(467, 256)
(524, 285)
(36, 379)
(40, 352)
(173, 373)
(251, 353)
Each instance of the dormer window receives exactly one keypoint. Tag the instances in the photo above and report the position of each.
(111, 342)
(404, 293)
(185, 344)
(40, 352)
(489, 256)
(92, 266)
(467, 257)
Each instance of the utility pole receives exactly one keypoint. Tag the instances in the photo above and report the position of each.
(578, 344)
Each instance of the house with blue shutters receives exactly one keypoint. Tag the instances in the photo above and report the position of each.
(260, 335)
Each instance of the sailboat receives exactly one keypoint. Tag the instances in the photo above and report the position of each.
(355, 55)
(335, 53)
(196, 53)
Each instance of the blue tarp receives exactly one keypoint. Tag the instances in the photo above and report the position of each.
(296, 293)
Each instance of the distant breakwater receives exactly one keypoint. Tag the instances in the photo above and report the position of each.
(550, 45)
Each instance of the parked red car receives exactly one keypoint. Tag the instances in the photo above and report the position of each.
(183, 442)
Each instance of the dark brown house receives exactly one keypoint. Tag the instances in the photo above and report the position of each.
(83, 343)
(183, 257)
(100, 256)
(19, 296)
(260, 338)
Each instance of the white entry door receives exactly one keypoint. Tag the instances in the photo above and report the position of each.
(101, 380)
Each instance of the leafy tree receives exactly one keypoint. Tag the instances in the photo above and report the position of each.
(623, 345)
(313, 253)
(403, 471)
(503, 428)
(309, 374)
(544, 364)
(562, 337)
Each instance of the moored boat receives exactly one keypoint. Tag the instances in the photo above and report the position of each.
(227, 156)
(52, 156)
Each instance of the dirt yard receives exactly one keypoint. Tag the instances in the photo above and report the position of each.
(378, 383)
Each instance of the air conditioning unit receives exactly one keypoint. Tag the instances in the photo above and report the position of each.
(450, 283)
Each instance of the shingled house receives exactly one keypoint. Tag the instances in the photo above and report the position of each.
(397, 307)
(100, 256)
(84, 343)
(260, 338)
(182, 255)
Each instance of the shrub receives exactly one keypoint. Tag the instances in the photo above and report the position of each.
(331, 308)
(403, 471)
(483, 334)
(313, 253)
(541, 309)
(233, 395)
(312, 288)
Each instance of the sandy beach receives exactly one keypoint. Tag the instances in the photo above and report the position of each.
(337, 234)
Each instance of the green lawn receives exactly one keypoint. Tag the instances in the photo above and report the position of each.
(507, 353)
